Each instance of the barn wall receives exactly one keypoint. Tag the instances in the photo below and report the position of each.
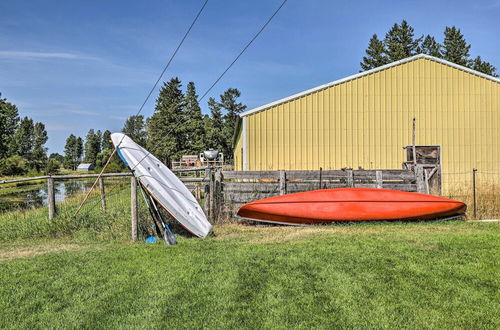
(366, 122)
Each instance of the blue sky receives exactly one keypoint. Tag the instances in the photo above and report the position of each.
(76, 65)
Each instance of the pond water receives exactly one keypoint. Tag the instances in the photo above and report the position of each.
(35, 195)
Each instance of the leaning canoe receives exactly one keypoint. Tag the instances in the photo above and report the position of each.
(350, 204)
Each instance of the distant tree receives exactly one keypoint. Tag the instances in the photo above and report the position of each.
(39, 153)
(52, 166)
(14, 165)
(233, 108)
(73, 152)
(375, 54)
(215, 126)
(9, 119)
(135, 128)
(455, 48)
(57, 156)
(22, 141)
(194, 127)
(400, 42)
(164, 126)
(92, 146)
(430, 47)
(106, 141)
(482, 66)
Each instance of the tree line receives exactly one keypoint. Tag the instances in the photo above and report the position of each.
(22, 143)
(177, 127)
(400, 42)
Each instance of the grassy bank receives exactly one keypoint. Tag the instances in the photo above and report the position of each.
(432, 275)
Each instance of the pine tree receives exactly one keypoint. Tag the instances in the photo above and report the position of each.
(430, 47)
(135, 128)
(482, 66)
(22, 141)
(106, 143)
(399, 42)
(195, 129)
(215, 126)
(228, 101)
(375, 54)
(164, 126)
(92, 146)
(455, 48)
(39, 155)
(9, 119)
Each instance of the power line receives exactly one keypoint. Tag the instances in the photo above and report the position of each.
(243, 50)
(223, 73)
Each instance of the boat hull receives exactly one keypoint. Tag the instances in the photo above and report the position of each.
(350, 204)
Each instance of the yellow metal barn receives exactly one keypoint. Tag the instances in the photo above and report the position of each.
(365, 120)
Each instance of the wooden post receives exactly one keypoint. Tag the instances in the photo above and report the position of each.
(474, 170)
(51, 198)
(103, 196)
(414, 141)
(320, 176)
(419, 174)
(378, 177)
(133, 207)
(211, 196)
(282, 182)
(218, 200)
(350, 178)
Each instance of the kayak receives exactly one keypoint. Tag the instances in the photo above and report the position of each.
(350, 204)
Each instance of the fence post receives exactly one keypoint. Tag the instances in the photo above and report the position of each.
(51, 198)
(282, 182)
(474, 170)
(103, 196)
(218, 197)
(320, 176)
(133, 207)
(379, 180)
(211, 195)
(419, 174)
(350, 178)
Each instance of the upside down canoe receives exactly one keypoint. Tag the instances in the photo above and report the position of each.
(350, 204)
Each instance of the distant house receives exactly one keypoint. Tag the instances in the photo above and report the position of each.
(85, 167)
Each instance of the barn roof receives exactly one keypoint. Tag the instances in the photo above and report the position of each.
(365, 73)
(85, 165)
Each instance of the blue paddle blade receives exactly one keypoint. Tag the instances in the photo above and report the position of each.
(151, 239)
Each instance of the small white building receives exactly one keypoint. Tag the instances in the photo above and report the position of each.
(85, 167)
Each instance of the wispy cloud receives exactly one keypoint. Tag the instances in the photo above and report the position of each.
(18, 54)
(98, 114)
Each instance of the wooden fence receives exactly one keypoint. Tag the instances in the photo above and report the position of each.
(235, 188)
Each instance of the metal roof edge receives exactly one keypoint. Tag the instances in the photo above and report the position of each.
(365, 73)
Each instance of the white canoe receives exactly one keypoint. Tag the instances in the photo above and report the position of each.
(163, 185)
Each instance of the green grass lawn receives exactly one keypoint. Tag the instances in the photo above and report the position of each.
(389, 275)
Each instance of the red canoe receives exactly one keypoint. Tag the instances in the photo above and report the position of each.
(350, 204)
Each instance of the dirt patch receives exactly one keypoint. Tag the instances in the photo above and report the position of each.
(31, 251)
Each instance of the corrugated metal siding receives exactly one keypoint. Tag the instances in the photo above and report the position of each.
(238, 153)
(366, 122)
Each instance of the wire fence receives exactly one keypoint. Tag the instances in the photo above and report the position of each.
(480, 190)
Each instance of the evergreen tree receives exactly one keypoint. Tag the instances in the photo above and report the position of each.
(375, 54)
(482, 66)
(39, 154)
(195, 130)
(164, 126)
(22, 141)
(135, 128)
(106, 143)
(92, 147)
(72, 152)
(215, 126)
(455, 48)
(9, 119)
(430, 47)
(228, 101)
(399, 42)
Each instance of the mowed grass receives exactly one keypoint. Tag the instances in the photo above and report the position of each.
(388, 275)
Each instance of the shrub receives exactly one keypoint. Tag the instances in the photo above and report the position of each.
(52, 166)
(14, 165)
